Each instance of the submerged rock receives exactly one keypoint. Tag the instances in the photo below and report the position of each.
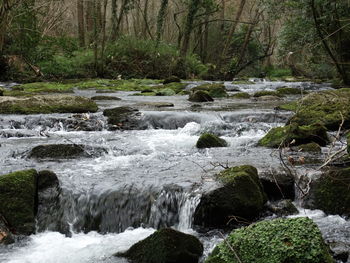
(64, 151)
(46, 104)
(282, 136)
(208, 140)
(5, 234)
(214, 90)
(331, 192)
(165, 246)
(200, 96)
(282, 208)
(17, 200)
(274, 241)
(240, 198)
(124, 118)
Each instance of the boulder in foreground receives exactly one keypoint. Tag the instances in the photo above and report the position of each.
(275, 241)
(165, 246)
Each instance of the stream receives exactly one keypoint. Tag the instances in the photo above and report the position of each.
(145, 179)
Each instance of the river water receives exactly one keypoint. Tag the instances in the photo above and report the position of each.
(147, 178)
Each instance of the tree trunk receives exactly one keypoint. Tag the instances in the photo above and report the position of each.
(114, 20)
(81, 26)
(160, 19)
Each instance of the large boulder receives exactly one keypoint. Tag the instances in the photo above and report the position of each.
(240, 197)
(124, 118)
(274, 241)
(208, 140)
(278, 185)
(283, 136)
(200, 96)
(214, 90)
(327, 107)
(64, 151)
(331, 192)
(46, 104)
(18, 200)
(165, 246)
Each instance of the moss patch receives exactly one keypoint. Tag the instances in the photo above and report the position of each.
(46, 104)
(241, 95)
(200, 96)
(267, 93)
(280, 240)
(165, 246)
(310, 147)
(214, 90)
(300, 134)
(208, 140)
(17, 200)
(291, 106)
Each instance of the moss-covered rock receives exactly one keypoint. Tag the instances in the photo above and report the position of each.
(326, 107)
(241, 197)
(276, 241)
(46, 104)
(241, 95)
(171, 79)
(208, 140)
(64, 151)
(290, 91)
(125, 118)
(2, 92)
(165, 92)
(214, 90)
(165, 246)
(310, 147)
(200, 96)
(266, 93)
(105, 98)
(299, 134)
(17, 200)
(331, 192)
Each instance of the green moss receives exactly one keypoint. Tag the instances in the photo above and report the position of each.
(275, 241)
(2, 92)
(290, 91)
(299, 134)
(214, 90)
(266, 93)
(332, 192)
(46, 104)
(310, 147)
(17, 200)
(208, 140)
(165, 246)
(241, 95)
(200, 96)
(291, 106)
(165, 92)
(326, 107)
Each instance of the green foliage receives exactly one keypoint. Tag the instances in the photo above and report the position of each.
(275, 241)
(273, 72)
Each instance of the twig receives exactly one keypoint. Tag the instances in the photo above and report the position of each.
(231, 248)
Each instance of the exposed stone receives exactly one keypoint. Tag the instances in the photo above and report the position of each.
(155, 104)
(278, 186)
(282, 208)
(105, 98)
(214, 90)
(200, 96)
(241, 95)
(124, 118)
(208, 140)
(310, 147)
(165, 246)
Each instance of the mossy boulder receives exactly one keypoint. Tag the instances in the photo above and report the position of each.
(331, 192)
(316, 133)
(165, 246)
(17, 200)
(241, 95)
(165, 92)
(64, 151)
(105, 98)
(171, 79)
(310, 147)
(208, 140)
(266, 93)
(200, 96)
(124, 118)
(241, 197)
(327, 107)
(46, 104)
(290, 91)
(274, 241)
(214, 90)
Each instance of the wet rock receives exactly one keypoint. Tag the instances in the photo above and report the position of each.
(165, 92)
(297, 134)
(208, 140)
(290, 91)
(278, 186)
(165, 246)
(64, 151)
(264, 93)
(124, 118)
(280, 240)
(2, 92)
(200, 96)
(46, 104)
(268, 98)
(241, 197)
(325, 108)
(47, 179)
(5, 234)
(241, 95)
(17, 200)
(214, 90)
(331, 192)
(310, 147)
(171, 79)
(348, 143)
(282, 208)
(105, 98)
(156, 104)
